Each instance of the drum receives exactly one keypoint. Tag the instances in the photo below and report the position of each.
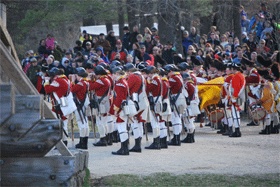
(216, 115)
(257, 111)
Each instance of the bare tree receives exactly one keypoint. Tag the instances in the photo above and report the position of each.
(121, 17)
(132, 10)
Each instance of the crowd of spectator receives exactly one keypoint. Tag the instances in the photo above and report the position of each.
(258, 37)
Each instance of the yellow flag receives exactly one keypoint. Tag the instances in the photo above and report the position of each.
(210, 92)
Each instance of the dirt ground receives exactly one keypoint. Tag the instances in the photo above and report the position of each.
(211, 153)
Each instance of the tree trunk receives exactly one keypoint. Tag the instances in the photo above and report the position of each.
(146, 15)
(109, 26)
(168, 22)
(223, 18)
(131, 12)
(236, 19)
(121, 17)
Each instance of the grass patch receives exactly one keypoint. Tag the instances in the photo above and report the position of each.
(87, 180)
(167, 179)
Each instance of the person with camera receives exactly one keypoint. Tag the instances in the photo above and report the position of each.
(100, 86)
(80, 88)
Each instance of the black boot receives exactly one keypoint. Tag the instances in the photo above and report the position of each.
(252, 123)
(137, 146)
(193, 136)
(123, 150)
(175, 140)
(101, 142)
(65, 143)
(275, 129)
(265, 131)
(109, 139)
(236, 133)
(223, 129)
(79, 145)
(188, 139)
(163, 143)
(228, 131)
(85, 145)
(115, 137)
(155, 144)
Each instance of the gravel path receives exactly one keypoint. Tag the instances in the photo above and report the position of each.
(211, 153)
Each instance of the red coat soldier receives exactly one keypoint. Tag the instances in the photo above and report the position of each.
(237, 87)
(80, 89)
(154, 89)
(58, 86)
(101, 88)
(137, 91)
(120, 95)
(178, 100)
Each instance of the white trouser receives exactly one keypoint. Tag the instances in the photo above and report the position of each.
(163, 129)
(190, 124)
(228, 118)
(176, 123)
(110, 124)
(275, 118)
(82, 124)
(141, 129)
(155, 124)
(122, 131)
(101, 122)
(267, 120)
(135, 129)
(235, 116)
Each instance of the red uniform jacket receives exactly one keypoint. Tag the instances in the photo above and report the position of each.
(225, 89)
(120, 94)
(154, 86)
(134, 82)
(100, 86)
(165, 87)
(61, 86)
(193, 78)
(253, 78)
(237, 83)
(80, 90)
(175, 83)
(190, 89)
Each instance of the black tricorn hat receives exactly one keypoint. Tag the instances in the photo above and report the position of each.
(263, 72)
(247, 62)
(275, 70)
(218, 65)
(263, 61)
(195, 61)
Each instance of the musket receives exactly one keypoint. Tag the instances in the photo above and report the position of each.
(72, 130)
(168, 130)
(92, 119)
(236, 115)
(146, 130)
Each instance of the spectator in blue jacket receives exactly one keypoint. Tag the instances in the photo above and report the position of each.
(186, 42)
